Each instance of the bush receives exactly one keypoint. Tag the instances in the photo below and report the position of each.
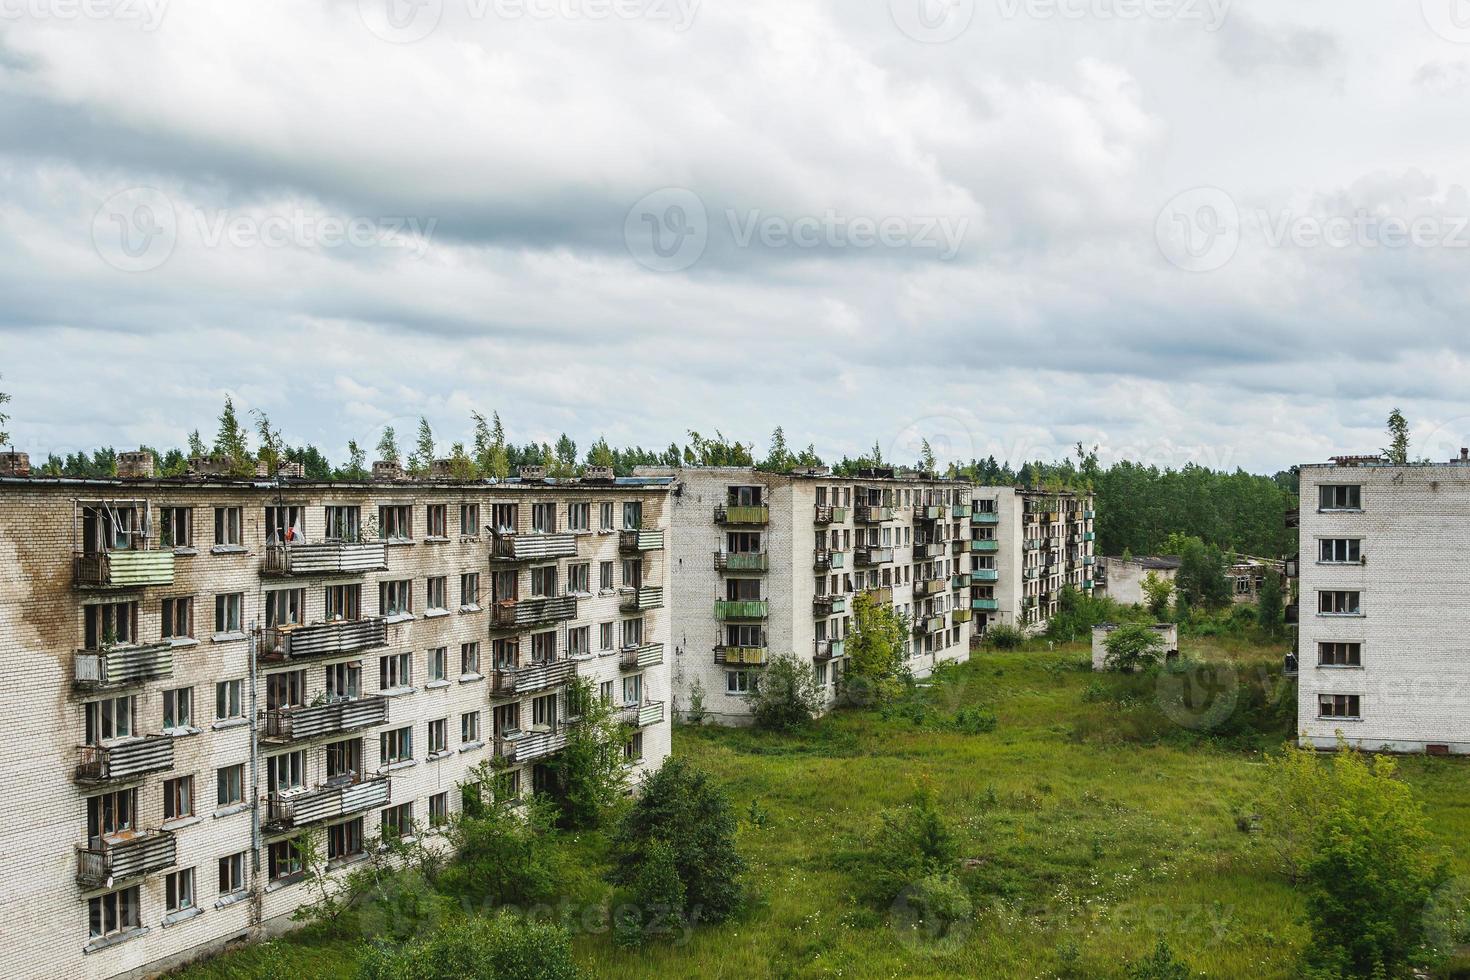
(974, 721)
(476, 948)
(1004, 637)
(913, 843)
(1132, 646)
(1161, 964)
(786, 696)
(939, 901)
(503, 858)
(654, 902)
(679, 807)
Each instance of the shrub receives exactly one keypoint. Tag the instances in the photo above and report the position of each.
(939, 901)
(1131, 646)
(679, 806)
(1003, 637)
(471, 948)
(913, 843)
(786, 696)
(974, 721)
(1161, 964)
(654, 901)
(504, 858)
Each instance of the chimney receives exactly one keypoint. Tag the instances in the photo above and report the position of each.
(135, 465)
(386, 472)
(441, 469)
(15, 464)
(531, 473)
(291, 471)
(598, 474)
(1464, 455)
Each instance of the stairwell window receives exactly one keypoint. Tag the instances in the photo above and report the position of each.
(1338, 706)
(1340, 654)
(1340, 496)
(1339, 603)
(1338, 551)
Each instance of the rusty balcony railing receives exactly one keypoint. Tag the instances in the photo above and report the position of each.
(742, 561)
(636, 542)
(315, 721)
(297, 642)
(123, 569)
(532, 547)
(732, 656)
(742, 514)
(325, 558)
(125, 760)
(118, 665)
(824, 650)
(514, 613)
(641, 599)
(642, 657)
(643, 715)
(828, 605)
(106, 861)
(523, 747)
(532, 677)
(338, 799)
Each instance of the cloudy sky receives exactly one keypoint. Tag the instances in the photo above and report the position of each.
(1234, 233)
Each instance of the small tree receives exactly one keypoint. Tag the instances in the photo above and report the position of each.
(272, 448)
(197, 448)
(356, 468)
(680, 806)
(1156, 595)
(502, 857)
(1003, 636)
(786, 696)
(1161, 964)
(231, 443)
(4, 418)
(590, 776)
(875, 649)
(461, 467)
(927, 460)
(779, 458)
(913, 842)
(601, 454)
(653, 902)
(504, 947)
(1133, 646)
(388, 446)
(423, 452)
(1398, 431)
(1269, 605)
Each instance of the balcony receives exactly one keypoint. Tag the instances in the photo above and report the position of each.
(125, 760)
(1293, 518)
(931, 513)
(532, 547)
(985, 605)
(1088, 560)
(524, 747)
(299, 808)
(325, 558)
(873, 514)
(960, 511)
(124, 569)
(640, 600)
(865, 556)
(960, 616)
(828, 605)
(984, 517)
(1292, 567)
(318, 720)
(742, 561)
(323, 639)
(830, 514)
(643, 715)
(984, 575)
(642, 657)
(640, 541)
(518, 613)
(1088, 515)
(881, 596)
(532, 677)
(1089, 536)
(959, 580)
(742, 514)
(119, 665)
(741, 609)
(928, 587)
(741, 656)
(929, 624)
(1292, 613)
(824, 650)
(928, 549)
(984, 546)
(1034, 544)
(826, 559)
(123, 856)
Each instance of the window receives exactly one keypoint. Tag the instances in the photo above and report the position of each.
(469, 589)
(114, 913)
(439, 737)
(1340, 497)
(227, 702)
(1340, 654)
(435, 521)
(285, 522)
(283, 860)
(178, 708)
(543, 581)
(503, 518)
(507, 718)
(1338, 706)
(395, 522)
(343, 523)
(344, 682)
(633, 632)
(343, 602)
(227, 523)
(579, 641)
(111, 813)
(436, 592)
(344, 840)
(605, 576)
(633, 573)
(284, 772)
(286, 689)
(543, 711)
(605, 692)
(507, 786)
(605, 636)
(178, 798)
(110, 623)
(344, 758)
(178, 890)
(229, 784)
(504, 585)
(543, 647)
(285, 606)
(469, 727)
(469, 520)
(438, 809)
(506, 653)
(605, 516)
(439, 664)
(232, 873)
(579, 578)
(176, 527)
(1340, 550)
(633, 689)
(1339, 603)
(178, 618)
(579, 517)
(543, 518)
(821, 675)
(396, 598)
(227, 612)
(394, 671)
(633, 515)
(737, 682)
(396, 746)
(469, 659)
(398, 820)
(633, 748)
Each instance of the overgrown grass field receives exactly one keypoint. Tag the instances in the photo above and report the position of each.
(1101, 813)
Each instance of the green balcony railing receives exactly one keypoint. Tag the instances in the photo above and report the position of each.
(985, 605)
(742, 561)
(741, 609)
(984, 546)
(742, 514)
(1089, 536)
(960, 511)
(984, 517)
(984, 575)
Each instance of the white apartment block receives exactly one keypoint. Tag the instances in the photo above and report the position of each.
(205, 668)
(765, 564)
(1026, 545)
(1384, 629)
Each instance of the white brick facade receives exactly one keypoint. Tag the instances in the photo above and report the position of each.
(44, 710)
